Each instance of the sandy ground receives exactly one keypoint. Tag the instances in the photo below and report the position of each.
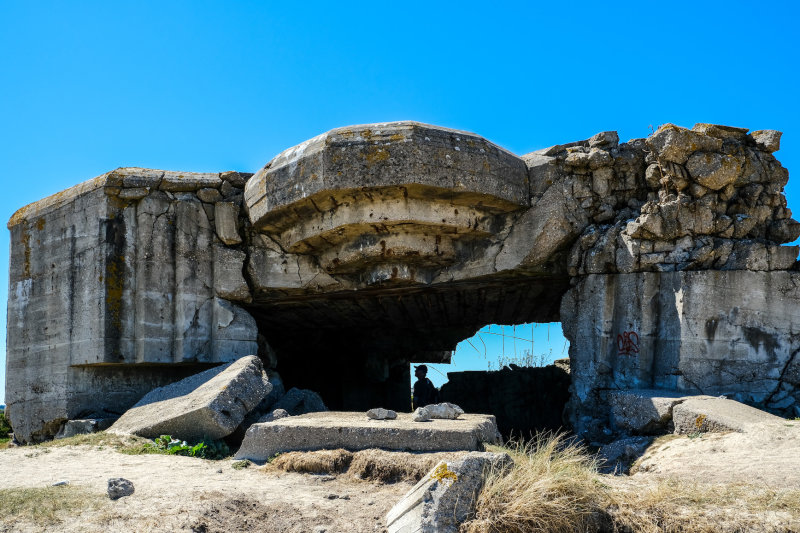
(768, 456)
(174, 493)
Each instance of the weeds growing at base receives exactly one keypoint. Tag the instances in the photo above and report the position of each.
(132, 445)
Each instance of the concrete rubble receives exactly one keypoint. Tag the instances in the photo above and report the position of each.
(119, 487)
(379, 413)
(353, 431)
(369, 247)
(446, 496)
(209, 405)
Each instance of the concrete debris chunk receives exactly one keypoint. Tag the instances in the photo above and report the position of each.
(444, 498)
(119, 487)
(643, 411)
(277, 414)
(299, 401)
(379, 413)
(706, 414)
(82, 427)
(444, 410)
(769, 139)
(421, 414)
(210, 404)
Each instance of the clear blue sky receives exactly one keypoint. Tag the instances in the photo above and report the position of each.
(87, 86)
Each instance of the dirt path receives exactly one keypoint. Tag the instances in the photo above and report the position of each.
(175, 493)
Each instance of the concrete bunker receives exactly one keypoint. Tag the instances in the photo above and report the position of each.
(365, 248)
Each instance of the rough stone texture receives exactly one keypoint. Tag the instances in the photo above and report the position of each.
(618, 456)
(208, 405)
(119, 487)
(373, 246)
(730, 333)
(421, 414)
(299, 402)
(379, 413)
(82, 427)
(101, 278)
(643, 411)
(277, 414)
(439, 503)
(444, 411)
(353, 431)
(708, 414)
(523, 400)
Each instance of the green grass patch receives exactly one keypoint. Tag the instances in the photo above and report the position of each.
(132, 445)
(46, 506)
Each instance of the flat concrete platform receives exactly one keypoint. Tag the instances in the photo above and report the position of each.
(355, 431)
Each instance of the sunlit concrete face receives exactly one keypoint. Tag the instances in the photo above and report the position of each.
(367, 247)
(396, 202)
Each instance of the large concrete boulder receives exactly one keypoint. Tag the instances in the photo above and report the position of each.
(353, 431)
(643, 411)
(444, 498)
(207, 405)
(708, 414)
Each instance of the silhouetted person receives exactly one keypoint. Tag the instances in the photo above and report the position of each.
(424, 391)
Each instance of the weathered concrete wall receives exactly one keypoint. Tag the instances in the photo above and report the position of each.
(125, 269)
(367, 247)
(703, 332)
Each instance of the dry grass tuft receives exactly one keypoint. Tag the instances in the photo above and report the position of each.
(46, 506)
(316, 462)
(121, 443)
(680, 507)
(369, 465)
(391, 467)
(552, 487)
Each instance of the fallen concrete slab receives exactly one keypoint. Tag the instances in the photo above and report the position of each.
(210, 404)
(446, 496)
(708, 414)
(353, 431)
(643, 410)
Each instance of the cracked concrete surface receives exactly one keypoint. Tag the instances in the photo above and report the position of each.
(368, 247)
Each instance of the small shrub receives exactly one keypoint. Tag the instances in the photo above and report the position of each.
(241, 465)
(5, 427)
(165, 444)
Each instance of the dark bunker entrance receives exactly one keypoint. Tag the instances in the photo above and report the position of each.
(355, 348)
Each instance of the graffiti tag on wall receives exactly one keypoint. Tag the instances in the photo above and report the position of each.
(628, 343)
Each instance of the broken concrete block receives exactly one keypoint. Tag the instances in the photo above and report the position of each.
(420, 414)
(299, 401)
(707, 414)
(210, 404)
(444, 410)
(352, 431)
(82, 427)
(277, 414)
(379, 413)
(643, 411)
(119, 487)
(446, 496)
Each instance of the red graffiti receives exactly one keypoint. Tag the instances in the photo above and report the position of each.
(628, 343)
